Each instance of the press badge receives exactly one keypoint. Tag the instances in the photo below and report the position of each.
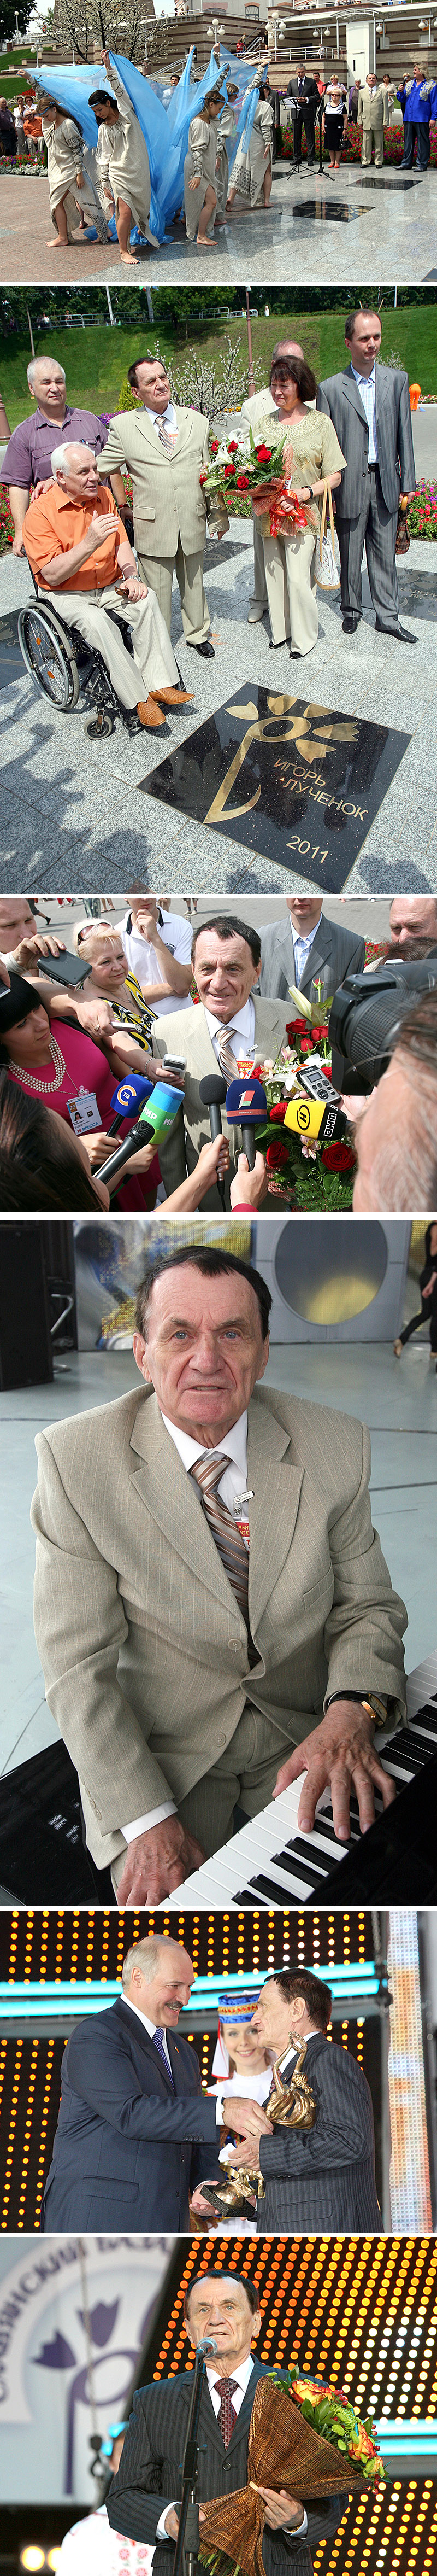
(84, 1112)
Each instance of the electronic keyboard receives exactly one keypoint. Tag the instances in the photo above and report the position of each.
(270, 1863)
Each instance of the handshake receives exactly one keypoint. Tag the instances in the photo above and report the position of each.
(250, 2123)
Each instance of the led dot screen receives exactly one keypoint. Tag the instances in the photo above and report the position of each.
(86, 1949)
(361, 2312)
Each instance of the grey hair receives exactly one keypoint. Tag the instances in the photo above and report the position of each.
(40, 362)
(58, 455)
(147, 1952)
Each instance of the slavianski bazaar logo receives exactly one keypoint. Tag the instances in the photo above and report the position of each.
(73, 2318)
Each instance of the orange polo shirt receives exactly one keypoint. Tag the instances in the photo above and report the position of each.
(55, 523)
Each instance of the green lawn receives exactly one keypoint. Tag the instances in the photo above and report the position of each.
(96, 359)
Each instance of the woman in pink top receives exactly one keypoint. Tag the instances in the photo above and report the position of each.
(70, 1074)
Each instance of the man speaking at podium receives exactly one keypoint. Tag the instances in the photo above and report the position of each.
(212, 1608)
(143, 2498)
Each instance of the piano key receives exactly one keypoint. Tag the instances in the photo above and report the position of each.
(271, 1847)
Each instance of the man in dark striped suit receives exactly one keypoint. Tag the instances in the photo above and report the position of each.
(143, 2499)
(320, 2178)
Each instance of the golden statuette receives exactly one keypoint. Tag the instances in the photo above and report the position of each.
(290, 2105)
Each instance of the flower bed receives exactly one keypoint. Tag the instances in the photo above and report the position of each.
(422, 513)
(351, 147)
(6, 521)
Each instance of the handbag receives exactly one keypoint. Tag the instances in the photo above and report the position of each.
(327, 574)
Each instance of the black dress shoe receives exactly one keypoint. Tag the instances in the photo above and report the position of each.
(349, 623)
(280, 647)
(401, 633)
(207, 650)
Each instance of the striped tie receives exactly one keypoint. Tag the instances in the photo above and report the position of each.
(227, 1059)
(164, 438)
(158, 2043)
(227, 2418)
(207, 1473)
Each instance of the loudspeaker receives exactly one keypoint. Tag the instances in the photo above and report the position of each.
(25, 1347)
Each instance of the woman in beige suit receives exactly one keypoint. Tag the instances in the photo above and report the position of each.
(309, 461)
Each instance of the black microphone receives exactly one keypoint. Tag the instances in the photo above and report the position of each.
(208, 2344)
(213, 1095)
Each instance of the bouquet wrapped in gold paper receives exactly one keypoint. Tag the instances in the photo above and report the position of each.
(304, 2437)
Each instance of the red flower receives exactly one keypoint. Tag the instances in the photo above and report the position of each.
(257, 1073)
(232, 446)
(278, 1113)
(276, 1157)
(213, 446)
(202, 476)
(296, 1028)
(242, 483)
(264, 455)
(338, 1158)
(229, 469)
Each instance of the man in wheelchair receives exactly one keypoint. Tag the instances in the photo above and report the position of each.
(82, 562)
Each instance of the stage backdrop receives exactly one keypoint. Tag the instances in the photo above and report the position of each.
(73, 2314)
(340, 1279)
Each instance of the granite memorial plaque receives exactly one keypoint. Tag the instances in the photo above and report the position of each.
(298, 782)
(384, 179)
(328, 210)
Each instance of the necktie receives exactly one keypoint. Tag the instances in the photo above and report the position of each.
(207, 1473)
(225, 2391)
(158, 2040)
(164, 438)
(227, 1059)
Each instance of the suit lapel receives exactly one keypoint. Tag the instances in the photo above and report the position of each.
(140, 2037)
(318, 953)
(276, 1487)
(353, 395)
(172, 1500)
(382, 389)
(241, 2428)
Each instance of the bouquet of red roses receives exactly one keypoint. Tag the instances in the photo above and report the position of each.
(250, 466)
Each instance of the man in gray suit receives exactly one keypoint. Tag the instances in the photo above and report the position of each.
(142, 2500)
(198, 1651)
(320, 2178)
(307, 949)
(231, 1027)
(370, 408)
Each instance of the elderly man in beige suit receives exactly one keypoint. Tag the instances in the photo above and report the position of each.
(165, 449)
(372, 115)
(212, 1609)
(231, 1027)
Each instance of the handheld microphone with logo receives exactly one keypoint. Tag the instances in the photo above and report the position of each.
(154, 1120)
(128, 1099)
(315, 1118)
(246, 1106)
(213, 1095)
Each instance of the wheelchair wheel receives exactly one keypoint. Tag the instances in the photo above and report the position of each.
(102, 722)
(49, 656)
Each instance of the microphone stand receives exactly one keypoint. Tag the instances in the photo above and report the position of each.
(186, 2547)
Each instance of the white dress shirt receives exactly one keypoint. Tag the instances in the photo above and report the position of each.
(232, 1482)
(163, 420)
(142, 957)
(243, 1024)
(240, 2377)
(367, 393)
(302, 947)
(150, 2026)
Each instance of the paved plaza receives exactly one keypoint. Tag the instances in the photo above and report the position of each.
(72, 816)
(379, 224)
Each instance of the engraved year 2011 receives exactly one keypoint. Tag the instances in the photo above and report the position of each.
(307, 847)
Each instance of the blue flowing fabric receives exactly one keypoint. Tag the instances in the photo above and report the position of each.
(165, 130)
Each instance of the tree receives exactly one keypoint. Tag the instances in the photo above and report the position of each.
(117, 23)
(8, 17)
(213, 385)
